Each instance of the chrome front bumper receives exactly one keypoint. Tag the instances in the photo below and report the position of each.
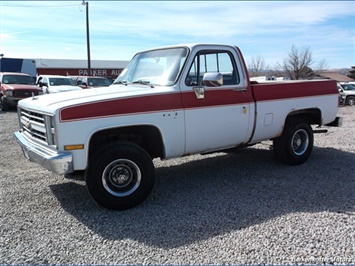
(59, 163)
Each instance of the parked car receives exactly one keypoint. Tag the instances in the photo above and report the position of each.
(15, 87)
(56, 83)
(347, 92)
(87, 82)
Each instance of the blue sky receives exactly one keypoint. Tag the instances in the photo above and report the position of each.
(119, 29)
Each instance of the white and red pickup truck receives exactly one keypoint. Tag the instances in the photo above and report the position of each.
(170, 102)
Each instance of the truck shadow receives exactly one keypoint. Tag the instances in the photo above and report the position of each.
(214, 195)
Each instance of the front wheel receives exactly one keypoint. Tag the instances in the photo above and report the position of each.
(120, 175)
(3, 104)
(350, 100)
(295, 145)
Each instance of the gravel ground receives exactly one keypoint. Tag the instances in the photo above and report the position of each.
(242, 207)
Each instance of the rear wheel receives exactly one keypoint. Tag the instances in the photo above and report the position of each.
(120, 175)
(295, 145)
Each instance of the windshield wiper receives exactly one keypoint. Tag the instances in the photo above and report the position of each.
(144, 82)
(121, 82)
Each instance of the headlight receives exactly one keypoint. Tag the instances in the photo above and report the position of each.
(8, 93)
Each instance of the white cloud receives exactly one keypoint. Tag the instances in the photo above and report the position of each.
(118, 29)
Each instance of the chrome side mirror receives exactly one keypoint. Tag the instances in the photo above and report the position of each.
(213, 79)
(208, 80)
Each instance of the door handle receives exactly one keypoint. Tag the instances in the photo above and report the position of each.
(199, 92)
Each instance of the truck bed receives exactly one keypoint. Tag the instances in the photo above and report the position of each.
(277, 100)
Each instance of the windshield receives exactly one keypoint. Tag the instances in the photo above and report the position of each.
(61, 81)
(348, 87)
(17, 79)
(95, 82)
(159, 67)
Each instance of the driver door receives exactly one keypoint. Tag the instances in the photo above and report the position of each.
(216, 117)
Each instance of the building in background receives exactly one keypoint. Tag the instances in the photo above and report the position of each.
(18, 65)
(68, 67)
(335, 75)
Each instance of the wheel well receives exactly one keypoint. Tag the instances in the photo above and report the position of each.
(312, 116)
(147, 137)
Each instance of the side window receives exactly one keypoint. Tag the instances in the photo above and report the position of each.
(213, 61)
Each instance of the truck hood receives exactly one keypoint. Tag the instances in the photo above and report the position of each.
(20, 87)
(348, 92)
(50, 103)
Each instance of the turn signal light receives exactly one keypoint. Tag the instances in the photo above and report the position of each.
(74, 147)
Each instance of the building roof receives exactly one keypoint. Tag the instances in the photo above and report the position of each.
(336, 76)
(70, 63)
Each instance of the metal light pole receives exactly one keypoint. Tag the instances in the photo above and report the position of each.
(87, 35)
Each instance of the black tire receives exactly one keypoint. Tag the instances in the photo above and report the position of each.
(120, 175)
(295, 145)
(3, 104)
(350, 100)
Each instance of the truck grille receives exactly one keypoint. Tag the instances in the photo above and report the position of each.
(24, 94)
(38, 126)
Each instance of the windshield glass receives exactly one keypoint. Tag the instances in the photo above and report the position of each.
(348, 87)
(61, 81)
(17, 79)
(98, 82)
(159, 67)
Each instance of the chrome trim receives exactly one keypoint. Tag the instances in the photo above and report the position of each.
(59, 163)
(38, 126)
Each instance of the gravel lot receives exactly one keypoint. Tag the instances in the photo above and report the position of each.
(223, 208)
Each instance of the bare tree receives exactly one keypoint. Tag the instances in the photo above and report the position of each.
(257, 66)
(321, 66)
(297, 64)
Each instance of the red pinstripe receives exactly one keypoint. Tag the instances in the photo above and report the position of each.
(178, 101)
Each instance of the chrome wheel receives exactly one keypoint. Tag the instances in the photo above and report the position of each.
(121, 177)
(351, 100)
(295, 145)
(300, 142)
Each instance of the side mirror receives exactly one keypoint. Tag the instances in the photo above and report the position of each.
(212, 79)
(209, 80)
(43, 84)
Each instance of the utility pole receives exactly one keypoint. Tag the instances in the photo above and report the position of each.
(87, 36)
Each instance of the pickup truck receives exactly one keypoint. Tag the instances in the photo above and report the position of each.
(170, 102)
(347, 92)
(56, 83)
(14, 87)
